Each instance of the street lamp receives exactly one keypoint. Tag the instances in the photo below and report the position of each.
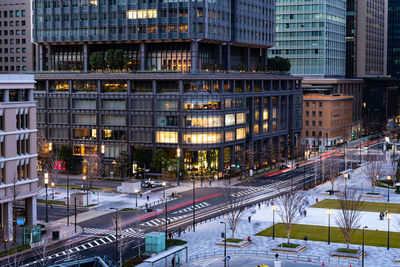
(178, 172)
(85, 187)
(53, 185)
(224, 245)
(116, 234)
(136, 192)
(273, 221)
(46, 183)
(164, 184)
(329, 226)
(388, 177)
(362, 259)
(388, 234)
(194, 212)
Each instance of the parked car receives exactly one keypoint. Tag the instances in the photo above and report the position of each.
(157, 183)
(147, 184)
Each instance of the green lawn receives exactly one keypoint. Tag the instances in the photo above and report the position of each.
(320, 233)
(50, 201)
(368, 206)
(175, 242)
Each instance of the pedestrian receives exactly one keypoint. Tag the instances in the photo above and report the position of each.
(141, 195)
(173, 261)
(148, 198)
(170, 235)
(305, 213)
(179, 232)
(305, 238)
(249, 219)
(259, 205)
(248, 239)
(316, 200)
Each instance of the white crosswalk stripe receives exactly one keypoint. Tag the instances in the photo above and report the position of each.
(161, 221)
(128, 232)
(198, 206)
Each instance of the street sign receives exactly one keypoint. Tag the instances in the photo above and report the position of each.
(20, 221)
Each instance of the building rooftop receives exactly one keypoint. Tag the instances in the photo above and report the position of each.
(326, 97)
(17, 78)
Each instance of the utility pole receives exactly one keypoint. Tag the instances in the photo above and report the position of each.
(76, 214)
(193, 207)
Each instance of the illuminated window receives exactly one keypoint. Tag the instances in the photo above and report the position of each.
(240, 118)
(107, 134)
(142, 14)
(256, 129)
(265, 127)
(240, 133)
(265, 114)
(93, 2)
(230, 136)
(203, 121)
(202, 138)
(167, 137)
(229, 119)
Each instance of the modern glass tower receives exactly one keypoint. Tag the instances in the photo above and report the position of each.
(312, 35)
(193, 80)
(393, 59)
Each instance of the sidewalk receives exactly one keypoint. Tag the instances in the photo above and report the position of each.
(208, 234)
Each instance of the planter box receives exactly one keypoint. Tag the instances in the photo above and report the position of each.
(357, 255)
(379, 195)
(298, 249)
(234, 245)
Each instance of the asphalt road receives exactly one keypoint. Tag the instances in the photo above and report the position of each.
(210, 202)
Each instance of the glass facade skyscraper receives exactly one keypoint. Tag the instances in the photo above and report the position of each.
(393, 59)
(312, 35)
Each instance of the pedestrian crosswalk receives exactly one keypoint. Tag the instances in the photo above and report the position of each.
(198, 206)
(128, 232)
(94, 242)
(250, 191)
(161, 221)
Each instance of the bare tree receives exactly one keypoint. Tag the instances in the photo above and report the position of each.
(15, 260)
(290, 207)
(331, 169)
(123, 240)
(42, 254)
(350, 214)
(373, 171)
(92, 167)
(234, 202)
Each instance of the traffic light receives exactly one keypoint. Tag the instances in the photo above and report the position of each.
(238, 166)
(222, 235)
(353, 135)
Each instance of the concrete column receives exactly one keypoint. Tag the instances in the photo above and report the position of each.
(194, 54)
(6, 95)
(7, 221)
(41, 67)
(31, 211)
(49, 62)
(143, 56)
(228, 57)
(221, 160)
(30, 95)
(85, 57)
(248, 59)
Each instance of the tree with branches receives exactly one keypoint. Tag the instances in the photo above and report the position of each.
(42, 254)
(349, 216)
(331, 168)
(92, 167)
(123, 240)
(123, 163)
(290, 205)
(373, 171)
(234, 202)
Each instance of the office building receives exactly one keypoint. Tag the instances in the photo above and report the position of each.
(327, 119)
(312, 35)
(347, 87)
(18, 137)
(16, 49)
(193, 80)
(393, 58)
(366, 38)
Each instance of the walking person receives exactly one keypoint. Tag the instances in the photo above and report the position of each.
(249, 219)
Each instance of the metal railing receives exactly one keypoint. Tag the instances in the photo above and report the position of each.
(282, 256)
